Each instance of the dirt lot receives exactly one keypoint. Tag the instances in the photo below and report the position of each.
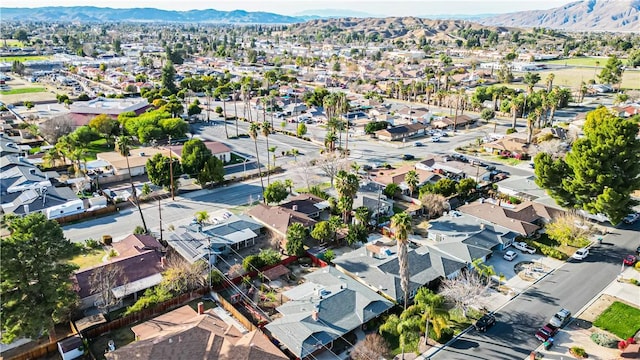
(17, 83)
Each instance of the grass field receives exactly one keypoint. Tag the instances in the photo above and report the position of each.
(24, 58)
(19, 91)
(96, 147)
(91, 258)
(11, 42)
(619, 319)
(578, 61)
(572, 77)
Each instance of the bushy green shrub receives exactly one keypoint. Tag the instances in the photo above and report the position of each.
(550, 251)
(445, 335)
(269, 257)
(605, 340)
(578, 352)
(511, 131)
(92, 244)
(252, 262)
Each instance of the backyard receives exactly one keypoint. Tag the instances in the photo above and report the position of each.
(620, 319)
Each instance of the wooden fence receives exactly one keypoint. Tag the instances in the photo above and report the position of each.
(86, 215)
(37, 352)
(235, 313)
(144, 314)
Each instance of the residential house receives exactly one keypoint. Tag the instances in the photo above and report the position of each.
(396, 176)
(416, 115)
(370, 196)
(140, 257)
(8, 146)
(218, 149)
(525, 188)
(376, 266)
(327, 306)
(508, 146)
(451, 123)
(525, 219)
(278, 219)
(186, 334)
(312, 206)
(222, 233)
(401, 132)
(137, 159)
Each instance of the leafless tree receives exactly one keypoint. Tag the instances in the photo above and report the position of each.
(434, 204)
(56, 127)
(306, 174)
(465, 291)
(330, 164)
(181, 276)
(373, 346)
(102, 281)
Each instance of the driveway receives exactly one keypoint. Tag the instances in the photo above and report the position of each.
(539, 266)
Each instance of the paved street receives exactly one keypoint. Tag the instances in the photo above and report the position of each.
(571, 286)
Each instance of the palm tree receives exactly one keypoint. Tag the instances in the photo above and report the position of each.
(516, 104)
(266, 130)
(221, 92)
(122, 147)
(411, 179)
(254, 128)
(202, 217)
(51, 157)
(433, 313)
(347, 186)
(531, 79)
(401, 225)
(531, 120)
(288, 183)
(549, 81)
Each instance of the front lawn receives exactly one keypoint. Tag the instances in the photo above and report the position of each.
(89, 258)
(27, 90)
(620, 319)
(96, 147)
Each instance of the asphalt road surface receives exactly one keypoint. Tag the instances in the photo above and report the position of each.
(571, 286)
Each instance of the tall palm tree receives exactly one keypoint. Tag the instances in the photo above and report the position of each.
(266, 130)
(122, 146)
(221, 92)
(347, 186)
(549, 81)
(401, 225)
(411, 179)
(254, 128)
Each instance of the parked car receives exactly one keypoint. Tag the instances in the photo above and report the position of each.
(460, 157)
(522, 246)
(408, 157)
(485, 322)
(631, 218)
(629, 260)
(581, 254)
(510, 255)
(638, 251)
(419, 144)
(561, 318)
(546, 332)
(435, 139)
(490, 168)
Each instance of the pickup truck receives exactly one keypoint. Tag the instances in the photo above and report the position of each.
(522, 246)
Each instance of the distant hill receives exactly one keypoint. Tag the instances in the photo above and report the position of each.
(97, 14)
(586, 15)
(396, 28)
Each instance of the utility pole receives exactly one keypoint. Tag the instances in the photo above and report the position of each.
(171, 170)
(160, 217)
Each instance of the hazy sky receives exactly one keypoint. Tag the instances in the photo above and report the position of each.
(291, 7)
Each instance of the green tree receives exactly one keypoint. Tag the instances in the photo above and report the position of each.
(531, 79)
(611, 73)
(412, 179)
(430, 308)
(194, 155)
(301, 130)
(347, 186)
(323, 232)
(168, 77)
(160, 173)
(105, 126)
(275, 192)
(36, 287)
(445, 187)
(357, 233)
(391, 190)
(601, 170)
(487, 114)
(295, 236)
(211, 172)
(401, 225)
(465, 187)
(194, 109)
(17, 67)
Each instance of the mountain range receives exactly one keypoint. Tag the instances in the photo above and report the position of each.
(585, 15)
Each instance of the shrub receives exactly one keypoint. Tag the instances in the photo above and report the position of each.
(511, 131)
(252, 262)
(578, 352)
(514, 200)
(637, 266)
(216, 277)
(329, 255)
(92, 244)
(445, 335)
(139, 230)
(269, 257)
(150, 298)
(605, 340)
(550, 251)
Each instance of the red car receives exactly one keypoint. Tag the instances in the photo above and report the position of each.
(546, 332)
(629, 260)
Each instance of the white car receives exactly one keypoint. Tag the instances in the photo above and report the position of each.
(435, 139)
(522, 246)
(510, 255)
(581, 254)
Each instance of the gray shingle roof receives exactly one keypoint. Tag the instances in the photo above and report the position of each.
(342, 304)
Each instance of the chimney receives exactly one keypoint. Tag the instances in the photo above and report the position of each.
(295, 207)
(163, 262)
(26, 209)
(200, 307)
(314, 315)
(482, 226)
